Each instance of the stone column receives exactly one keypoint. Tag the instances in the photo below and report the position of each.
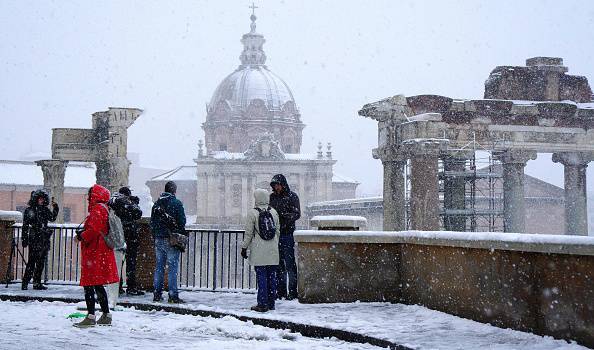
(576, 208)
(394, 200)
(113, 173)
(454, 197)
(424, 196)
(53, 181)
(514, 210)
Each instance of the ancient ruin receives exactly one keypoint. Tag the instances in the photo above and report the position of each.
(105, 144)
(527, 110)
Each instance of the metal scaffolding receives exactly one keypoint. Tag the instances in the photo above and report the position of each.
(470, 191)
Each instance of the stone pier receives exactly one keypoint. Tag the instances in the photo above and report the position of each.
(514, 210)
(53, 181)
(576, 208)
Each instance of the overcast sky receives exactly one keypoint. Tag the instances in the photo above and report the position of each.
(60, 61)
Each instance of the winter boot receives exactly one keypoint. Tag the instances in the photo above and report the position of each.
(175, 300)
(157, 298)
(104, 320)
(87, 322)
(39, 286)
(134, 292)
(24, 286)
(259, 308)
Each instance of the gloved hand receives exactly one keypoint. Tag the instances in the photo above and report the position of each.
(25, 241)
(244, 253)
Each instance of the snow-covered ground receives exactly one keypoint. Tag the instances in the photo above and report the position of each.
(43, 325)
(410, 325)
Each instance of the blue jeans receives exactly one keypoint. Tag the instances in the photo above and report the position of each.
(166, 254)
(266, 278)
(287, 267)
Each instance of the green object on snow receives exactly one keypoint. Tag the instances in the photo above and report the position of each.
(76, 315)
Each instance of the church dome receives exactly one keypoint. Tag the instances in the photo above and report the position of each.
(253, 82)
(252, 102)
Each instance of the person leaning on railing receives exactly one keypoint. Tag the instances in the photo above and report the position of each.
(36, 235)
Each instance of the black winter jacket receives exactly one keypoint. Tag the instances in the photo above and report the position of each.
(35, 219)
(286, 205)
(126, 210)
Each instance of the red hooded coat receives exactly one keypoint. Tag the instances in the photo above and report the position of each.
(98, 264)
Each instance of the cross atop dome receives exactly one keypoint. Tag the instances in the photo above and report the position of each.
(253, 54)
(253, 18)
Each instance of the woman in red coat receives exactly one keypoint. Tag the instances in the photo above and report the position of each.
(98, 265)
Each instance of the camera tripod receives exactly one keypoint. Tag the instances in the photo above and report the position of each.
(13, 251)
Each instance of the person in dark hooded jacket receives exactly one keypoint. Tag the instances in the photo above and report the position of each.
(36, 235)
(286, 204)
(127, 209)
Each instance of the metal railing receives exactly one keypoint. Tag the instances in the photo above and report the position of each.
(212, 260)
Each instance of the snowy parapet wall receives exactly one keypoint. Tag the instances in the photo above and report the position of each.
(552, 244)
(538, 283)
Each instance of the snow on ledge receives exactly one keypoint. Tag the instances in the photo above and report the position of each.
(10, 215)
(557, 244)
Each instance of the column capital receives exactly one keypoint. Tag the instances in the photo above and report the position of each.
(573, 158)
(516, 156)
(53, 171)
(390, 154)
(424, 147)
(458, 154)
(50, 163)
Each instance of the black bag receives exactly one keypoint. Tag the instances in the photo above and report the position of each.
(266, 225)
(176, 240)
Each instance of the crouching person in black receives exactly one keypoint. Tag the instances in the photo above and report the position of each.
(128, 210)
(36, 235)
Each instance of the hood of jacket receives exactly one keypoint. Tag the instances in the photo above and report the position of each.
(280, 179)
(99, 194)
(35, 195)
(166, 195)
(261, 197)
